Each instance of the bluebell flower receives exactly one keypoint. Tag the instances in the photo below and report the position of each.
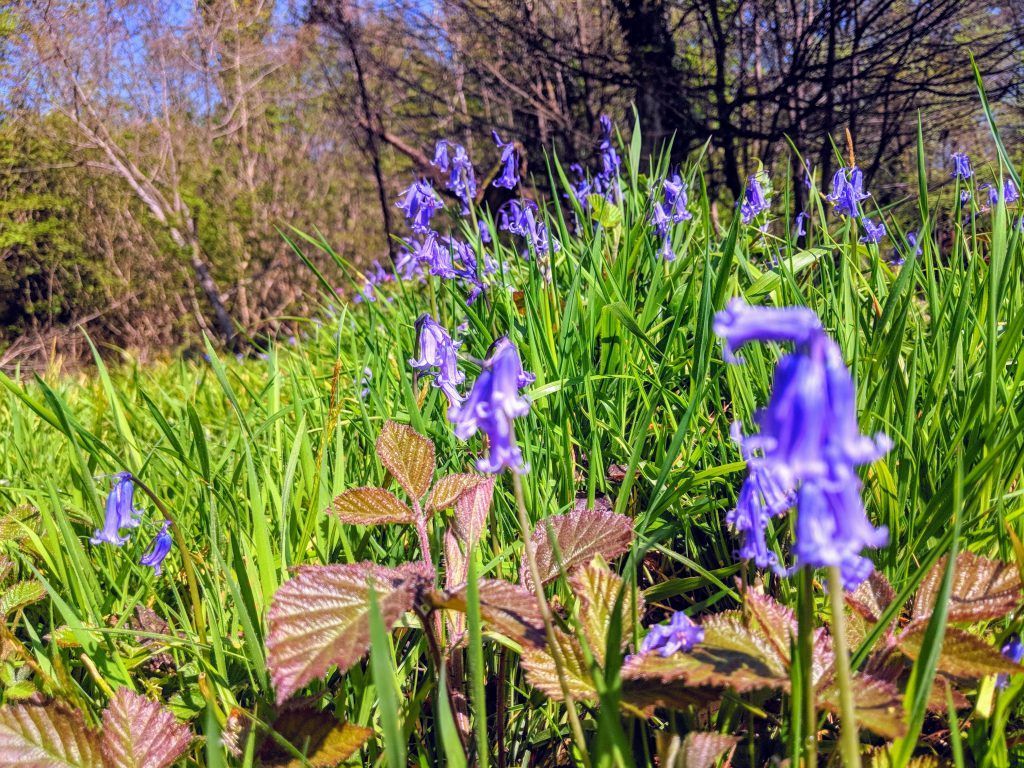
(364, 382)
(755, 199)
(161, 546)
(520, 217)
(873, 233)
(680, 634)
(808, 442)
(509, 163)
(1013, 650)
(580, 187)
(374, 277)
(419, 202)
(483, 230)
(800, 229)
(438, 358)
(674, 189)
(1010, 193)
(407, 266)
(847, 192)
(120, 512)
(962, 166)
(451, 158)
(493, 402)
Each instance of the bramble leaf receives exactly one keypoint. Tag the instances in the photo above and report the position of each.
(139, 733)
(318, 735)
(580, 535)
(982, 589)
(51, 735)
(962, 655)
(320, 618)
(542, 674)
(505, 607)
(450, 488)
(370, 506)
(597, 588)
(872, 597)
(701, 749)
(19, 595)
(408, 456)
(878, 705)
(471, 510)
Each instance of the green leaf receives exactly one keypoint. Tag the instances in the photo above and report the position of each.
(408, 456)
(317, 735)
(139, 733)
(51, 735)
(17, 596)
(982, 589)
(450, 488)
(579, 535)
(963, 654)
(604, 212)
(320, 618)
(370, 506)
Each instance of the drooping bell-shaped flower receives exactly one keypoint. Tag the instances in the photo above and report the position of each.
(452, 159)
(161, 546)
(1013, 649)
(680, 634)
(873, 233)
(120, 512)
(808, 442)
(1010, 193)
(962, 166)
(755, 199)
(847, 192)
(493, 403)
(419, 202)
(799, 226)
(438, 358)
(521, 217)
(509, 163)
(374, 277)
(610, 160)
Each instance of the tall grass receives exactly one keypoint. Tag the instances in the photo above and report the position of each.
(248, 454)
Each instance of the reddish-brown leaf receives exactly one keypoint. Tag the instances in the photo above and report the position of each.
(872, 597)
(597, 588)
(370, 506)
(701, 749)
(580, 535)
(51, 735)
(471, 511)
(139, 733)
(506, 608)
(318, 735)
(542, 674)
(878, 705)
(450, 488)
(982, 589)
(408, 456)
(963, 655)
(320, 618)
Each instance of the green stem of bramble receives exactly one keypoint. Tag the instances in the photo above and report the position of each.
(549, 626)
(849, 739)
(805, 649)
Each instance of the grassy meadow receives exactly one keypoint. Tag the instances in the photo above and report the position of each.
(630, 413)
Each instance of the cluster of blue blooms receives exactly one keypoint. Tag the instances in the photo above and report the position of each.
(671, 209)
(807, 448)
(121, 514)
(846, 196)
(756, 198)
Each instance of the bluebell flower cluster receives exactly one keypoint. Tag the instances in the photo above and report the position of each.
(493, 402)
(671, 209)
(680, 634)
(120, 513)
(1010, 193)
(438, 358)
(452, 159)
(873, 233)
(521, 218)
(847, 192)
(419, 202)
(452, 259)
(808, 445)
(509, 163)
(962, 166)
(374, 277)
(755, 198)
(407, 266)
(606, 181)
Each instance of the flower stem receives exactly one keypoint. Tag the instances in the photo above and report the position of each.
(849, 738)
(549, 627)
(808, 747)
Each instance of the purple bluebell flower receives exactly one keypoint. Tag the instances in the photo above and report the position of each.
(419, 202)
(581, 186)
(493, 402)
(808, 441)
(483, 230)
(674, 189)
(873, 233)
(1010, 193)
(120, 512)
(847, 192)
(520, 217)
(364, 382)
(680, 634)
(452, 159)
(158, 551)
(407, 266)
(1013, 650)
(755, 199)
(610, 161)
(438, 351)
(800, 228)
(509, 163)
(374, 277)
(962, 166)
